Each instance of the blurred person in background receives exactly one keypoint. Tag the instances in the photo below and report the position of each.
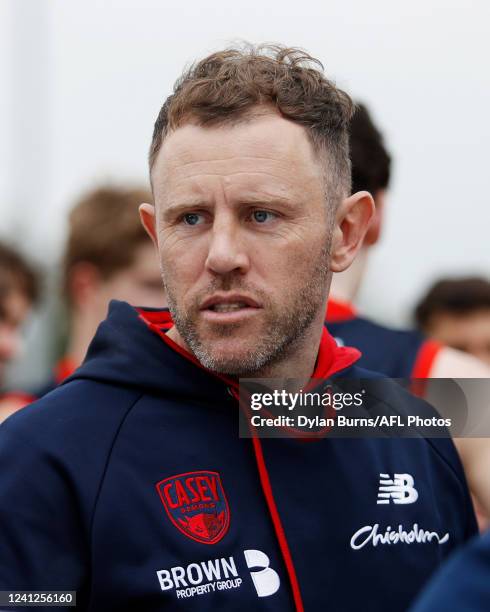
(462, 584)
(400, 353)
(19, 292)
(456, 311)
(108, 255)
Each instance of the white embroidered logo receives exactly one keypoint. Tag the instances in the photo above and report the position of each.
(400, 489)
(369, 535)
(266, 580)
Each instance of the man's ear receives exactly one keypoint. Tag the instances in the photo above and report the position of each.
(147, 217)
(351, 223)
(83, 283)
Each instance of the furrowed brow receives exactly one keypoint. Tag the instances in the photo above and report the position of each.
(269, 200)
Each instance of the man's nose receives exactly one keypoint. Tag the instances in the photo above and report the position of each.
(227, 249)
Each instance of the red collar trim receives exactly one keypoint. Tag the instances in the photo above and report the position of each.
(331, 357)
(159, 322)
(162, 318)
(64, 368)
(338, 311)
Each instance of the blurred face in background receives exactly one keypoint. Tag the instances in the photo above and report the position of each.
(14, 308)
(469, 332)
(139, 284)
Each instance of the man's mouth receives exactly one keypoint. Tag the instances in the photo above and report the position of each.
(229, 308)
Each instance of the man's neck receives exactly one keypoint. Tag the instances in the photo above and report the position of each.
(299, 362)
(82, 331)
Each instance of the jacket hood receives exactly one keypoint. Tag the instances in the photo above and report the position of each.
(131, 349)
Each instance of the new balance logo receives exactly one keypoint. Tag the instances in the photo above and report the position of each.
(399, 490)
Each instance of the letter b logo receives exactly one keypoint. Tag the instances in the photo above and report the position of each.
(400, 489)
(407, 493)
(265, 579)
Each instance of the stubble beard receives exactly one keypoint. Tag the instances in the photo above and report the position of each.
(283, 325)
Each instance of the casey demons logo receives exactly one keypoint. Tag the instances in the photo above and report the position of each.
(196, 504)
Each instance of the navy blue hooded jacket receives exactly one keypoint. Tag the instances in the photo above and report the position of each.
(130, 485)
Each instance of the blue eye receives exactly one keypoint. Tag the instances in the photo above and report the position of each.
(261, 216)
(192, 219)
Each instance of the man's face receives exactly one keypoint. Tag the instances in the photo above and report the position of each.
(243, 236)
(469, 333)
(14, 308)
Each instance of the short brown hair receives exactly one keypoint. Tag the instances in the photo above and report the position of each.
(17, 274)
(455, 296)
(105, 230)
(227, 86)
